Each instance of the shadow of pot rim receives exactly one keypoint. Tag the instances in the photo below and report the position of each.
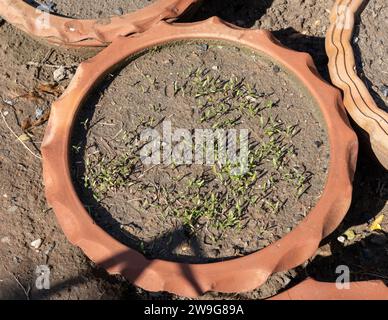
(236, 275)
(89, 32)
(311, 289)
(342, 67)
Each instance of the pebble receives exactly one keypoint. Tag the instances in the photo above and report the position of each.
(119, 11)
(49, 249)
(276, 69)
(17, 259)
(204, 47)
(12, 209)
(341, 239)
(5, 240)
(36, 243)
(60, 74)
(38, 113)
(384, 90)
(9, 102)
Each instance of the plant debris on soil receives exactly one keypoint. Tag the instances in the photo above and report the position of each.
(90, 9)
(370, 42)
(201, 212)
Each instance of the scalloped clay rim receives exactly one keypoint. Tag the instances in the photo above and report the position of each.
(237, 275)
(89, 32)
(357, 98)
(314, 290)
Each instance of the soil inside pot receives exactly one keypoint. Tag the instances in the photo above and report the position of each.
(91, 9)
(370, 42)
(191, 212)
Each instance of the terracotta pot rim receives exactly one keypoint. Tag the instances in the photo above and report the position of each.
(357, 99)
(311, 289)
(240, 274)
(90, 32)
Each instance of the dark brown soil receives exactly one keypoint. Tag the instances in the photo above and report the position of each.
(25, 216)
(371, 48)
(189, 212)
(91, 9)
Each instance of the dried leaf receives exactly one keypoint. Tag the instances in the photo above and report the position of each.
(376, 224)
(50, 88)
(24, 137)
(350, 235)
(42, 119)
(26, 124)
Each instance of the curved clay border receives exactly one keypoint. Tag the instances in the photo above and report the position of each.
(240, 274)
(357, 99)
(314, 290)
(99, 32)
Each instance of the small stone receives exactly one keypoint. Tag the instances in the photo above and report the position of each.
(5, 113)
(276, 69)
(12, 209)
(215, 68)
(36, 243)
(38, 113)
(356, 39)
(9, 102)
(318, 144)
(60, 74)
(341, 239)
(17, 259)
(204, 47)
(49, 249)
(5, 240)
(384, 90)
(119, 11)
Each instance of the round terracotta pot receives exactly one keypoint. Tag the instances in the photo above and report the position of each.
(357, 98)
(100, 32)
(240, 274)
(314, 290)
